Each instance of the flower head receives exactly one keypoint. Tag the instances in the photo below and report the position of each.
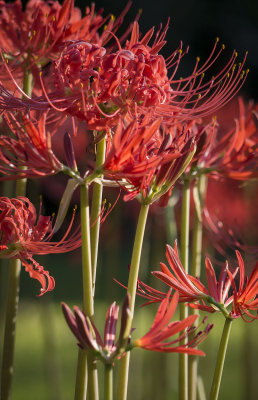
(162, 329)
(234, 153)
(89, 337)
(28, 153)
(34, 36)
(148, 159)
(133, 81)
(23, 235)
(217, 296)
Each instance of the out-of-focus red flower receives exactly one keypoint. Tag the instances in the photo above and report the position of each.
(149, 160)
(34, 36)
(28, 153)
(162, 330)
(23, 235)
(89, 337)
(234, 153)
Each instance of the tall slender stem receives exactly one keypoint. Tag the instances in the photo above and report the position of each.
(81, 377)
(220, 360)
(11, 315)
(132, 286)
(95, 211)
(183, 359)
(195, 271)
(108, 395)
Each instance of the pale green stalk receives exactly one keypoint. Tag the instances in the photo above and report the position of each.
(185, 224)
(132, 286)
(108, 388)
(81, 378)
(220, 360)
(96, 210)
(195, 271)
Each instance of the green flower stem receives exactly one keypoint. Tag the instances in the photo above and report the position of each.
(108, 395)
(96, 210)
(183, 359)
(81, 378)
(220, 360)
(195, 271)
(10, 327)
(132, 286)
(11, 315)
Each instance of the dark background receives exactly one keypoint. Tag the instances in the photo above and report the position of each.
(197, 23)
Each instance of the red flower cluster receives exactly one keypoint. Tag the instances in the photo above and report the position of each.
(29, 152)
(220, 293)
(23, 235)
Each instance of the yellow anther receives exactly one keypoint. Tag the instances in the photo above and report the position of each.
(112, 17)
(199, 96)
(236, 53)
(140, 11)
(217, 39)
(247, 71)
(203, 74)
(109, 205)
(180, 51)
(34, 32)
(47, 14)
(53, 214)
(198, 59)
(104, 27)
(212, 78)
(228, 75)
(223, 47)
(40, 73)
(53, 18)
(81, 84)
(75, 207)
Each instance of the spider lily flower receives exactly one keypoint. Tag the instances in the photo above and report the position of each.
(245, 296)
(234, 154)
(220, 293)
(27, 150)
(89, 337)
(36, 34)
(149, 160)
(133, 80)
(157, 339)
(23, 235)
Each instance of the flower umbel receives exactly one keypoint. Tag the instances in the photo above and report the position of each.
(23, 235)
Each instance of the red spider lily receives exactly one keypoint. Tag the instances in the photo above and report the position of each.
(149, 161)
(162, 329)
(235, 153)
(23, 235)
(29, 153)
(89, 337)
(132, 80)
(245, 298)
(36, 34)
(217, 295)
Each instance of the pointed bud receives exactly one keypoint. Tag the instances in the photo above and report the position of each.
(72, 184)
(69, 152)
